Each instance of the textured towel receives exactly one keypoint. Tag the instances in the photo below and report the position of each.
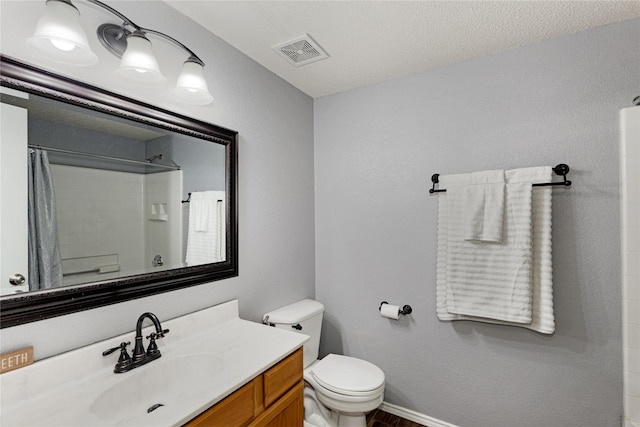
(489, 280)
(484, 206)
(542, 316)
(206, 235)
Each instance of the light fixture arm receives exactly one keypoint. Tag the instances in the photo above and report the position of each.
(192, 56)
(128, 22)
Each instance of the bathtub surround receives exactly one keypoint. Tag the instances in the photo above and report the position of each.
(375, 151)
(630, 232)
(101, 221)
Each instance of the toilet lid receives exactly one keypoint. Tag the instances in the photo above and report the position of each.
(344, 374)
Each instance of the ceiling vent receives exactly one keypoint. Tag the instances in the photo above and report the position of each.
(300, 51)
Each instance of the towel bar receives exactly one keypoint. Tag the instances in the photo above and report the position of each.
(561, 169)
(189, 199)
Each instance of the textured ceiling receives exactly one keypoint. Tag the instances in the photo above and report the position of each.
(373, 41)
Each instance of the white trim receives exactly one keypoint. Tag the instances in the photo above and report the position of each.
(414, 416)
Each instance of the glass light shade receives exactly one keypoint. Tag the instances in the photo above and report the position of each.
(60, 37)
(191, 86)
(138, 65)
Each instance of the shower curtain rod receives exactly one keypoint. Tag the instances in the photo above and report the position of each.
(102, 157)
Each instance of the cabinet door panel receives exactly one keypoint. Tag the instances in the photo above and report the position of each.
(286, 412)
(282, 377)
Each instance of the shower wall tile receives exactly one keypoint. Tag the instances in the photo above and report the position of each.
(632, 407)
(630, 233)
(631, 334)
(632, 360)
(632, 386)
(99, 213)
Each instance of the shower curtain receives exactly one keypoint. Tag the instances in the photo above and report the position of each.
(45, 267)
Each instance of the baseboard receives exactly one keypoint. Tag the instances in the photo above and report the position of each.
(414, 416)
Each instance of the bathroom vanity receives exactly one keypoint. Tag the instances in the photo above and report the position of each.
(215, 369)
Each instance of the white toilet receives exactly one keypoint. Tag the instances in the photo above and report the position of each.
(338, 390)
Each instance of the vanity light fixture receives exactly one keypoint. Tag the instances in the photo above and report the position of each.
(60, 37)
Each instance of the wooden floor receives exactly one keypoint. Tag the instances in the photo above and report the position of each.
(380, 418)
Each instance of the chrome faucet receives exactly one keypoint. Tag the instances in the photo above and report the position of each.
(140, 355)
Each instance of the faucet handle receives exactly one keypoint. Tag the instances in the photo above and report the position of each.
(121, 347)
(152, 349)
(124, 361)
(124, 356)
(153, 335)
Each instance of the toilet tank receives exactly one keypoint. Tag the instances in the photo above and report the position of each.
(304, 317)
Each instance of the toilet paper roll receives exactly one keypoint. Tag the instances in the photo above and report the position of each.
(390, 311)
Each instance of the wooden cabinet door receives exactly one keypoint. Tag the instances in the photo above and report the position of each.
(286, 412)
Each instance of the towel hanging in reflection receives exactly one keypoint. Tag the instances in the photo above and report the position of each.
(206, 234)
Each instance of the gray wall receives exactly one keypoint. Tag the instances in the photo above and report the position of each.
(375, 151)
(276, 206)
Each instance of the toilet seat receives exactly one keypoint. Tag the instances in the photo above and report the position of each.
(348, 376)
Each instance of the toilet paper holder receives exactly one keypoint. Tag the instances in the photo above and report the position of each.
(406, 309)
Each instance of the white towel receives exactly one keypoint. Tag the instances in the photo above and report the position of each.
(489, 280)
(206, 234)
(204, 212)
(484, 206)
(542, 315)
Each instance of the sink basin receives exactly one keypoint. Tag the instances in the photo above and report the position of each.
(161, 383)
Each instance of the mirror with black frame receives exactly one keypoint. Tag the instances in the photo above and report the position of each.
(106, 199)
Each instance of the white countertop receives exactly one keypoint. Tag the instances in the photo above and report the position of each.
(61, 390)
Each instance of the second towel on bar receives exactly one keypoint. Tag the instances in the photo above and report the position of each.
(484, 206)
(487, 279)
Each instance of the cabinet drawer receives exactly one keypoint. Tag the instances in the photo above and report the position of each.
(282, 377)
(235, 410)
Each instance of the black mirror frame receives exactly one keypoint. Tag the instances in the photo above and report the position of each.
(28, 307)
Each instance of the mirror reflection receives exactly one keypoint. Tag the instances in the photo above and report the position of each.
(93, 197)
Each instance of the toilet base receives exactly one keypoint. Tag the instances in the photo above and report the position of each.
(345, 420)
(315, 414)
(318, 415)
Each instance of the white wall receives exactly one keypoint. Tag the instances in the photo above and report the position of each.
(100, 213)
(375, 151)
(630, 232)
(276, 206)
